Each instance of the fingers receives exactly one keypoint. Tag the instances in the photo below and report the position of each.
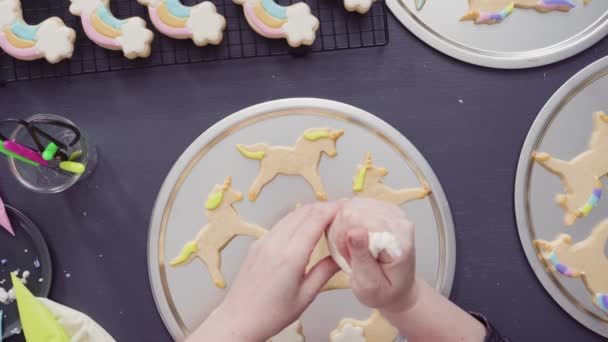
(366, 272)
(306, 236)
(318, 276)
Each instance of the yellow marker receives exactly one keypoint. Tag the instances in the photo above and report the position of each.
(251, 155)
(37, 321)
(214, 200)
(358, 186)
(316, 135)
(189, 249)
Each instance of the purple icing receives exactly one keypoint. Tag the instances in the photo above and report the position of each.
(605, 301)
(597, 193)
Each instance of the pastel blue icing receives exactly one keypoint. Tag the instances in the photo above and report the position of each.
(176, 8)
(1, 315)
(108, 18)
(420, 4)
(24, 31)
(274, 9)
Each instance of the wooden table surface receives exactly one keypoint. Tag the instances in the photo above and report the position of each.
(469, 122)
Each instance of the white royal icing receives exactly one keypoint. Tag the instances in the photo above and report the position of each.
(361, 6)
(55, 41)
(206, 24)
(135, 38)
(378, 242)
(301, 25)
(289, 334)
(85, 7)
(349, 333)
(8, 10)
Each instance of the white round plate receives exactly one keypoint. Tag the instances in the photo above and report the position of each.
(562, 129)
(186, 295)
(525, 39)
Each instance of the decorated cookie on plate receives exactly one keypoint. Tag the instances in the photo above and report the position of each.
(104, 29)
(50, 40)
(201, 22)
(495, 11)
(295, 23)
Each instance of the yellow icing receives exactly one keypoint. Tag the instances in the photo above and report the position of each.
(267, 19)
(16, 41)
(104, 28)
(189, 249)
(251, 155)
(168, 18)
(214, 200)
(358, 186)
(316, 135)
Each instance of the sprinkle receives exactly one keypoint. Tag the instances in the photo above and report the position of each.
(67, 275)
(37, 263)
(40, 280)
(3, 261)
(460, 100)
(100, 256)
(25, 251)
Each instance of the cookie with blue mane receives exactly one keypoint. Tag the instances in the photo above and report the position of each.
(50, 39)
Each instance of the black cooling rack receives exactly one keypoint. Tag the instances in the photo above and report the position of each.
(338, 30)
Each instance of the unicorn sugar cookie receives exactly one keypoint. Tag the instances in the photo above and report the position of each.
(368, 183)
(201, 23)
(50, 39)
(495, 11)
(581, 175)
(585, 259)
(271, 20)
(224, 224)
(129, 35)
(293, 333)
(301, 160)
(340, 280)
(375, 329)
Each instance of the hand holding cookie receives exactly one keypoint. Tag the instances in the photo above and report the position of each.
(272, 279)
(386, 282)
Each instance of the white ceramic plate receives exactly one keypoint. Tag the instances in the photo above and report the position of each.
(186, 295)
(562, 129)
(524, 39)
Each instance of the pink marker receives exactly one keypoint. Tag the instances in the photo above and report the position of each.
(4, 221)
(25, 152)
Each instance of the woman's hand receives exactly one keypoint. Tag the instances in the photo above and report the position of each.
(272, 288)
(388, 284)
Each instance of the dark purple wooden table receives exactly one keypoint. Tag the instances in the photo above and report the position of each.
(142, 121)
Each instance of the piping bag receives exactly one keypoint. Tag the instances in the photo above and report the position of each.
(4, 221)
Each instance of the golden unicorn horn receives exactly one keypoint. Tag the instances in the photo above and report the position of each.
(471, 15)
(368, 160)
(227, 183)
(335, 135)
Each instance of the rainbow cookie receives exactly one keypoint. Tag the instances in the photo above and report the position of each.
(495, 11)
(581, 175)
(201, 23)
(271, 20)
(50, 39)
(129, 35)
(361, 6)
(585, 259)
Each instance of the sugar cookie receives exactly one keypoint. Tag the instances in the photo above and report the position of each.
(368, 183)
(271, 20)
(129, 35)
(375, 329)
(301, 160)
(340, 280)
(201, 23)
(495, 11)
(581, 175)
(585, 259)
(293, 333)
(361, 6)
(224, 225)
(50, 39)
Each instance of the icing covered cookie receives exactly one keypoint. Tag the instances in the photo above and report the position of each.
(50, 39)
(581, 175)
(361, 6)
(293, 333)
(375, 329)
(271, 20)
(585, 259)
(201, 23)
(495, 11)
(224, 224)
(301, 160)
(340, 280)
(129, 35)
(368, 183)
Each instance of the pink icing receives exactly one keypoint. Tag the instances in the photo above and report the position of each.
(5, 222)
(30, 53)
(267, 31)
(97, 37)
(165, 29)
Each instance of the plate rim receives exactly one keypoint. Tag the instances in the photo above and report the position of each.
(561, 97)
(276, 105)
(491, 60)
